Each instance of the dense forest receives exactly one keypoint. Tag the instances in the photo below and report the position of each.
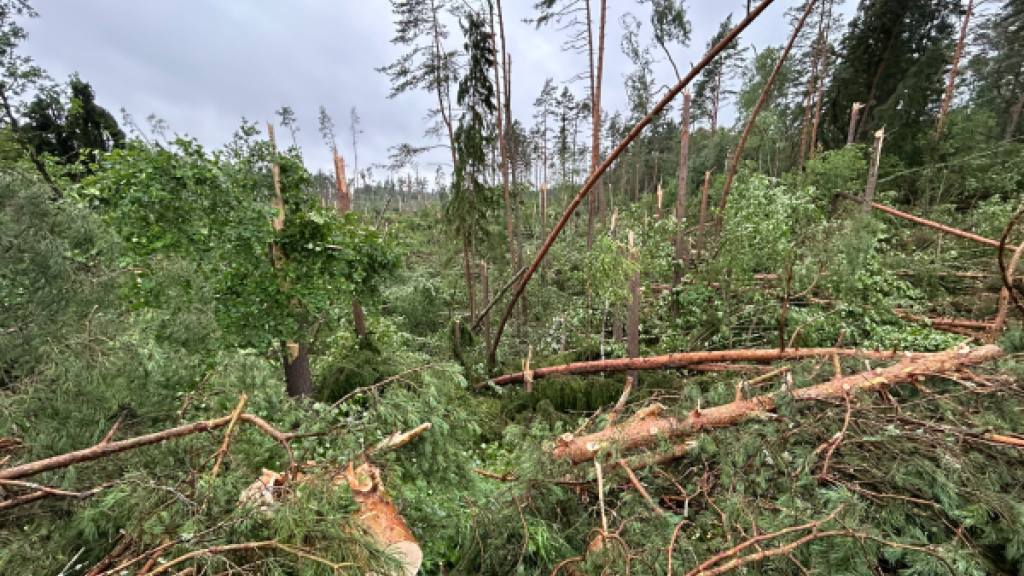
(764, 320)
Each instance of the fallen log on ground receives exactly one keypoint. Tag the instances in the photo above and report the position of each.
(686, 360)
(942, 323)
(107, 448)
(649, 427)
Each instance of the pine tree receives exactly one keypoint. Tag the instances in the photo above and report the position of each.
(711, 88)
(895, 52)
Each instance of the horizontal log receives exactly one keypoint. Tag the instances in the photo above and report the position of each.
(686, 360)
(106, 448)
(650, 427)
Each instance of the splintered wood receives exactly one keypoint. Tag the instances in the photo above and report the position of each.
(648, 428)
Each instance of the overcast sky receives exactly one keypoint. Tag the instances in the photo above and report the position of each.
(203, 65)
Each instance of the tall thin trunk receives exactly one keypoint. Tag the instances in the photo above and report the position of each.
(703, 213)
(876, 156)
(810, 91)
(595, 91)
(822, 74)
(947, 98)
(466, 256)
(498, 91)
(487, 298)
(717, 99)
(345, 205)
(633, 321)
(682, 253)
(757, 110)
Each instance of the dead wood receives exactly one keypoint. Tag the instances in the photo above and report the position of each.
(643, 432)
(928, 223)
(688, 360)
(105, 449)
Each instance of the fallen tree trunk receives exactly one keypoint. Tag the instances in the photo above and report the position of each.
(928, 223)
(686, 360)
(107, 448)
(650, 427)
(940, 323)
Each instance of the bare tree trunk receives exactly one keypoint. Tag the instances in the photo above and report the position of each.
(703, 213)
(297, 375)
(633, 322)
(498, 90)
(466, 256)
(851, 135)
(810, 91)
(822, 74)
(757, 110)
(876, 156)
(682, 252)
(487, 298)
(947, 98)
(714, 107)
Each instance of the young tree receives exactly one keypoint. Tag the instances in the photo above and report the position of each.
(273, 283)
(472, 139)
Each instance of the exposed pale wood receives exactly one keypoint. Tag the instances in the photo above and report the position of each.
(647, 431)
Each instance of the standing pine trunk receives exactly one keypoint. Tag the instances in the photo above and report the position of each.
(595, 92)
(947, 98)
(344, 206)
(498, 90)
(682, 253)
(809, 100)
(876, 156)
(633, 320)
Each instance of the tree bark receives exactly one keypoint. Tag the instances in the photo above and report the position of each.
(486, 317)
(682, 252)
(345, 205)
(466, 257)
(757, 110)
(498, 90)
(822, 74)
(686, 359)
(947, 98)
(928, 223)
(876, 157)
(851, 135)
(653, 428)
(297, 375)
(703, 213)
(810, 91)
(633, 321)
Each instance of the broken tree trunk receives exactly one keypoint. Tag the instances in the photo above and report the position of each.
(649, 427)
(928, 223)
(851, 135)
(377, 514)
(876, 157)
(687, 359)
